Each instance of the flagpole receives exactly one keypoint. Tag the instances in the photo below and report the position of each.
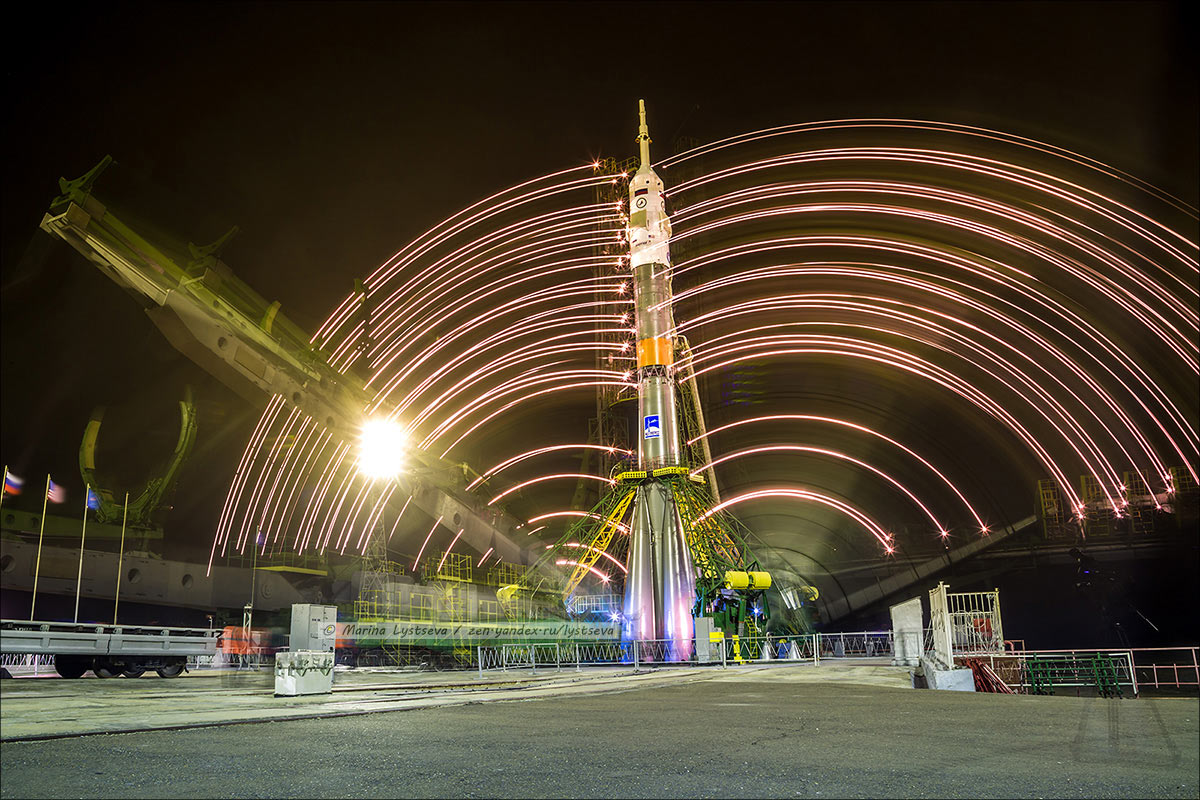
(120, 560)
(5, 491)
(37, 567)
(87, 495)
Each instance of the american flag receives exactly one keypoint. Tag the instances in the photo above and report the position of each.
(55, 493)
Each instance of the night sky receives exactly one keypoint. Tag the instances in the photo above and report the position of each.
(332, 134)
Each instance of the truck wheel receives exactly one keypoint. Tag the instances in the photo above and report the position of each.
(170, 671)
(133, 672)
(70, 666)
(107, 669)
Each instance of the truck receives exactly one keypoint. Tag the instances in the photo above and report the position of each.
(108, 651)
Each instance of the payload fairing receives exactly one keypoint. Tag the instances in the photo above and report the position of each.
(660, 588)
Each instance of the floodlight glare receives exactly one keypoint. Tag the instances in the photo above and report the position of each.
(381, 448)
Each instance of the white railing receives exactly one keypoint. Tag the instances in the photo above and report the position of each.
(964, 623)
(595, 604)
(975, 622)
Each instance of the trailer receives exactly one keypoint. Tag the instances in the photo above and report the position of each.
(108, 650)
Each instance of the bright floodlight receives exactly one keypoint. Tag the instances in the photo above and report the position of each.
(381, 449)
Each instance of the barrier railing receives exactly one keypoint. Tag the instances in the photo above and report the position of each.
(1026, 672)
(1139, 668)
(1176, 667)
(665, 652)
(27, 663)
(556, 655)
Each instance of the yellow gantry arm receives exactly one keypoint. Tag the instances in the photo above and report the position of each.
(704, 537)
(599, 543)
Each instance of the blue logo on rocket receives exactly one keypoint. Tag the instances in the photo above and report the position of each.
(651, 428)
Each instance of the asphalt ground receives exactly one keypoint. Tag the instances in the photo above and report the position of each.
(751, 733)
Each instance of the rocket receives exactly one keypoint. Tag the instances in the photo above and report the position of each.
(660, 586)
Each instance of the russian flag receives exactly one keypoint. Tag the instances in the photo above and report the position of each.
(12, 484)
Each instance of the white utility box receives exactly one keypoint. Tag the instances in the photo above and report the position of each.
(313, 628)
(303, 672)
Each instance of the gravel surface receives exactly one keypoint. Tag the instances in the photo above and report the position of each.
(740, 736)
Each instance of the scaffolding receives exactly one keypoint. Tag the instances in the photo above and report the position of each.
(602, 604)
(489, 611)
(421, 606)
(1185, 494)
(608, 428)
(378, 596)
(505, 574)
(444, 566)
(1055, 515)
(1141, 504)
(1098, 512)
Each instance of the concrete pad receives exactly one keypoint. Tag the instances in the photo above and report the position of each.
(50, 708)
(39, 709)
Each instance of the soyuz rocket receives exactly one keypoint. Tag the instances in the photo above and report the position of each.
(660, 587)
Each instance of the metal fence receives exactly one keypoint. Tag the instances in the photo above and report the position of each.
(556, 655)
(27, 663)
(665, 652)
(975, 622)
(1139, 668)
(226, 661)
(964, 623)
(1068, 669)
(1167, 667)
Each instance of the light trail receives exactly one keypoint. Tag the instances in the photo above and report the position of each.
(959, 200)
(532, 395)
(602, 553)
(252, 445)
(1025, 178)
(925, 370)
(503, 465)
(417, 560)
(604, 578)
(872, 305)
(557, 514)
(1129, 301)
(941, 529)
(872, 527)
(941, 333)
(1034, 296)
(448, 549)
(540, 479)
(920, 281)
(937, 127)
(854, 426)
(398, 516)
